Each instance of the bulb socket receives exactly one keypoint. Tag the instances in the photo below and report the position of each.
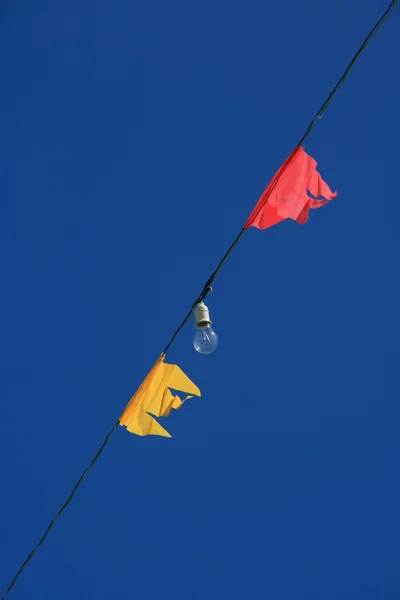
(201, 315)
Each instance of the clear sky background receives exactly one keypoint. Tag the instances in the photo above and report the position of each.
(136, 138)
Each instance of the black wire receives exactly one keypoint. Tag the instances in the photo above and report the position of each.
(365, 43)
(209, 282)
(64, 506)
(319, 114)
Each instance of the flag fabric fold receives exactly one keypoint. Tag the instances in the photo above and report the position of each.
(287, 197)
(155, 398)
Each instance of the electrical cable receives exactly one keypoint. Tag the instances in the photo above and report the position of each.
(207, 285)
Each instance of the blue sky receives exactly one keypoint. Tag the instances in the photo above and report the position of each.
(136, 138)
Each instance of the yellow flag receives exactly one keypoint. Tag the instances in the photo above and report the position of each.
(154, 398)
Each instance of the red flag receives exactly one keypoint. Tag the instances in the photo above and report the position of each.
(286, 195)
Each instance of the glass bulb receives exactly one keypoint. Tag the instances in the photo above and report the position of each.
(205, 339)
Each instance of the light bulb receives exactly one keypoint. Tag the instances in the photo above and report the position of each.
(205, 339)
